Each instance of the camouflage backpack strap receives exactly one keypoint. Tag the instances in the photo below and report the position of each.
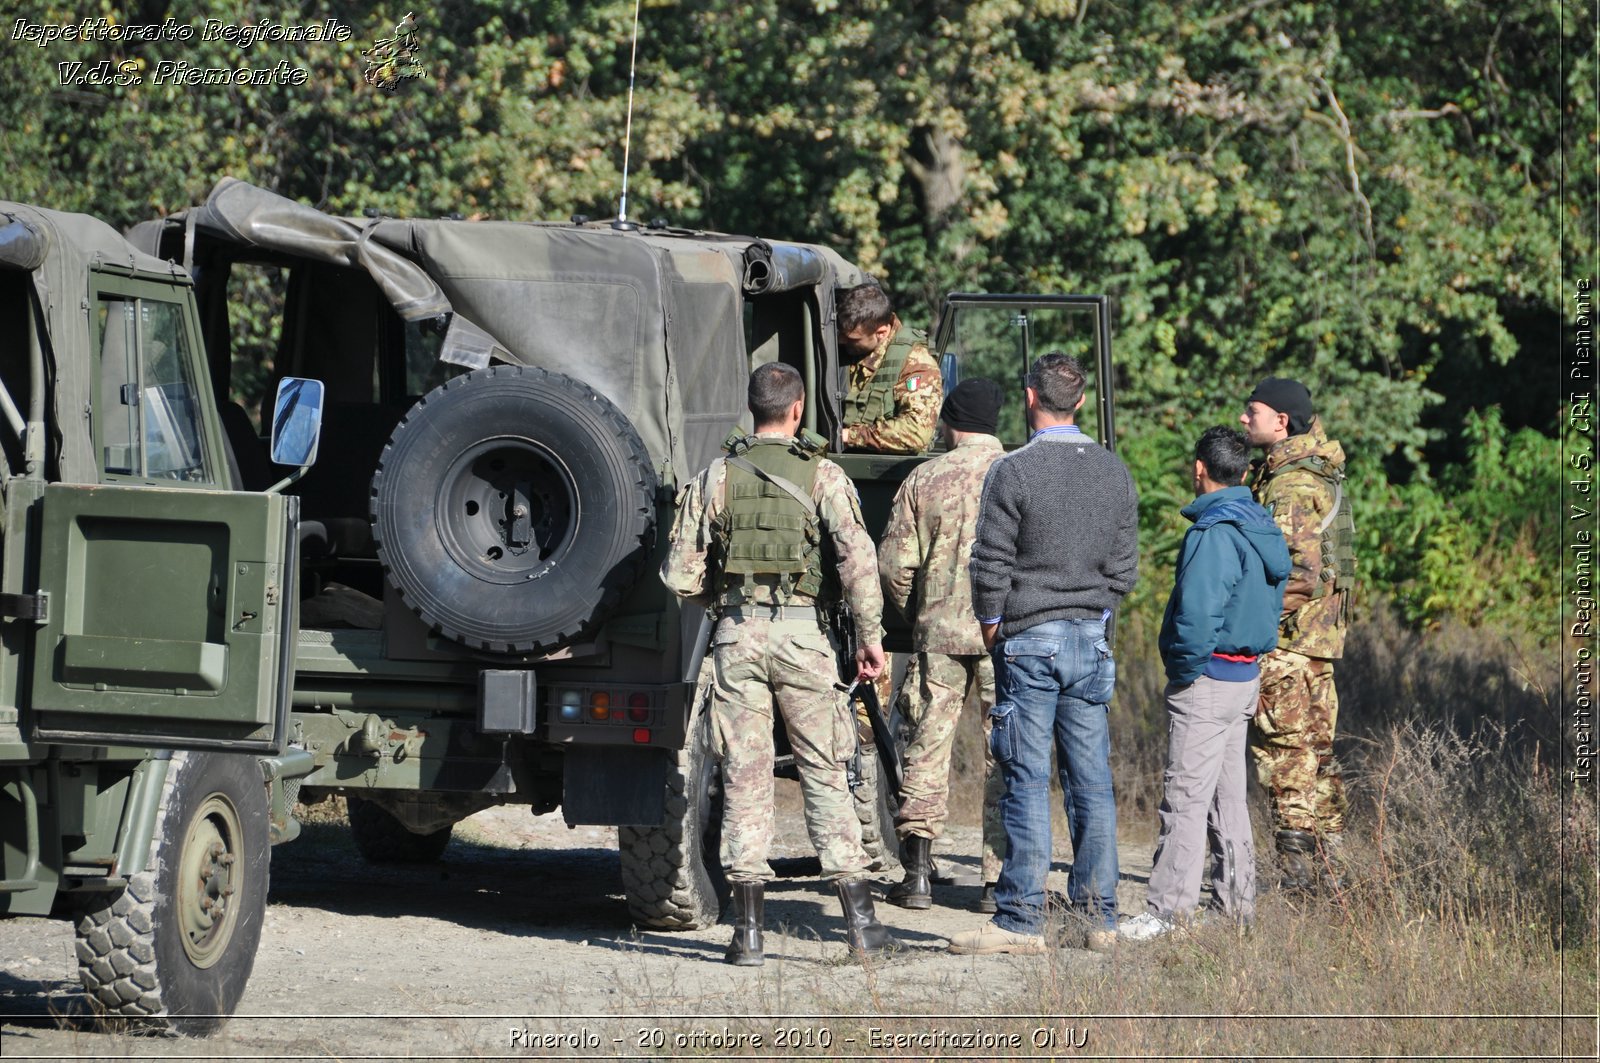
(1336, 534)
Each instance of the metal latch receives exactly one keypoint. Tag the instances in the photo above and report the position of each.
(34, 607)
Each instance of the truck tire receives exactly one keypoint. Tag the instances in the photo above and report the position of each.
(875, 809)
(159, 952)
(513, 508)
(672, 874)
(382, 839)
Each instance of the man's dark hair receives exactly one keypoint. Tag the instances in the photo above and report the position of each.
(1057, 379)
(774, 387)
(1225, 452)
(865, 306)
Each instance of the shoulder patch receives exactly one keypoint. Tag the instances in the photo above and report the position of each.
(913, 383)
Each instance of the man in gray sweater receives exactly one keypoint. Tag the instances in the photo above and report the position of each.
(1056, 549)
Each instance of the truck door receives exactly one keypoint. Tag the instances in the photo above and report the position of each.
(1000, 337)
(166, 602)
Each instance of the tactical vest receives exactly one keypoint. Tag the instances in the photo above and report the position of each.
(1337, 532)
(875, 400)
(764, 530)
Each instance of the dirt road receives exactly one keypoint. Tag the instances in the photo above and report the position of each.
(518, 945)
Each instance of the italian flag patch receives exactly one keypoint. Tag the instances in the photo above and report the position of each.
(913, 383)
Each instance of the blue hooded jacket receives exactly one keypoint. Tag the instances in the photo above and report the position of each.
(1228, 593)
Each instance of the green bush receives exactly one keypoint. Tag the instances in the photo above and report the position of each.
(1478, 543)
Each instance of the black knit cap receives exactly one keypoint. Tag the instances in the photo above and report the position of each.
(1286, 396)
(973, 406)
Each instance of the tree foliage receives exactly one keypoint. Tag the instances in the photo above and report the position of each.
(1367, 195)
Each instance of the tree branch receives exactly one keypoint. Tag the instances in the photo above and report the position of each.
(1350, 162)
(1234, 16)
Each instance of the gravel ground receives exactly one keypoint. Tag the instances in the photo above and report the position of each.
(518, 945)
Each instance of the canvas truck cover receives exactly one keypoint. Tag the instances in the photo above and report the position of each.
(652, 324)
(59, 250)
(243, 214)
(652, 319)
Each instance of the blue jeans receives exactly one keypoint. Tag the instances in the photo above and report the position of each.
(1055, 680)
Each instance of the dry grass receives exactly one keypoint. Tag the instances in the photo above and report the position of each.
(1473, 883)
(1473, 872)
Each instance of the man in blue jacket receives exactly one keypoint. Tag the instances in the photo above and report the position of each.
(1222, 615)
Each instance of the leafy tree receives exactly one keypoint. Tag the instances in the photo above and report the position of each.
(1369, 195)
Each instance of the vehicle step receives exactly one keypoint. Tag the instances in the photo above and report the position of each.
(10, 733)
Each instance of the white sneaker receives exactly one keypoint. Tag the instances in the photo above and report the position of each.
(1146, 926)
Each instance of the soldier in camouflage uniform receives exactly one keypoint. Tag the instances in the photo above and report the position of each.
(891, 405)
(1291, 739)
(767, 538)
(894, 384)
(923, 561)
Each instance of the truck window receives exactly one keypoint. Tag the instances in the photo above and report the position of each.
(254, 312)
(171, 419)
(147, 410)
(1001, 337)
(424, 371)
(119, 387)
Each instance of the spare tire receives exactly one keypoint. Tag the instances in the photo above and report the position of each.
(513, 508)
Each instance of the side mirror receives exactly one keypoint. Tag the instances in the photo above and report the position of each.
(297, 421)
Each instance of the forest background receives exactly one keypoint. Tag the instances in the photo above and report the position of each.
(1367, 195)
(1386, 199)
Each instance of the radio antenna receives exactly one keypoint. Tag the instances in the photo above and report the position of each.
(627, 137)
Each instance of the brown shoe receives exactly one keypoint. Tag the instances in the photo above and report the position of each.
(1101, 941)
(990, 939)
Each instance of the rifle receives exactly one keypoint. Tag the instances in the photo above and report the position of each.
(844, 626)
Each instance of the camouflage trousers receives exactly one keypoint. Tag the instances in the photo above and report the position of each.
(1291, 741)
(931, 699)
(756, 663)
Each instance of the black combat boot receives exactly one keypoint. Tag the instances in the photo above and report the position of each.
(867, 936)
(986, 901)
(745, 950)
(915, 891)
(1295, 851)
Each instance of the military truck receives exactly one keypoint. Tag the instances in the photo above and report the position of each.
(512, 411)
(147, 621)
(454, 608)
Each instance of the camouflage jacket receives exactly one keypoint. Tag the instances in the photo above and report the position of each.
(687, 571)
(1298, 500)
(923, 557)
(917, 396)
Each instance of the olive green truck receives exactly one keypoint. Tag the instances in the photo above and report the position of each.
(453, 607)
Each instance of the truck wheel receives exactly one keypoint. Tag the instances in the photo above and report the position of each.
(672, 874)
(382, 839)
(513, 508)
(875, 809)
(174, 948)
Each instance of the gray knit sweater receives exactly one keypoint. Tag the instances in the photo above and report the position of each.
(1058, 533)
